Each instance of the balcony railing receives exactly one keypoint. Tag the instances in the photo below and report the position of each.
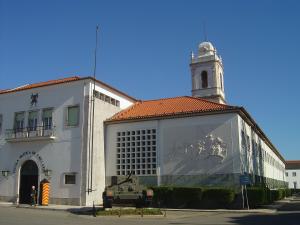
(30, 133)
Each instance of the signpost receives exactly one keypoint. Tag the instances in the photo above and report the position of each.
(244, 181)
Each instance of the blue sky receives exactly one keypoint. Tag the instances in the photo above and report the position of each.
(145, 49)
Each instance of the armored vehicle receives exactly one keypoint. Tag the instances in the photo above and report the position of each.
(126, 190)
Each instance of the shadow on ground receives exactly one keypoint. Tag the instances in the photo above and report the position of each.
(288, 214)
(268, 219)
(83, 211)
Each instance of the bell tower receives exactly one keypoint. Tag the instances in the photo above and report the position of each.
(207, 74)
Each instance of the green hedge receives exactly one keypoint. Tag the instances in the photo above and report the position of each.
(259, 196)
(192, 197)
(197, 197)
(218, 197)
(295, 191)
(256, 196)
(186, 197)
(288, 192)
(162, 196)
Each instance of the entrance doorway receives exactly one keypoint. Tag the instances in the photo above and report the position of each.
(28, 178)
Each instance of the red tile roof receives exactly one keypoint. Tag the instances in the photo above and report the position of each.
(168, 107)
(183, 106)
(40, 84)
(292, 161)
(292, 164)
(60, 81)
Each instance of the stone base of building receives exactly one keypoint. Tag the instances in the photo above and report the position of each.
(65, 201)
(55, 201)
(231, 180)
(216, 180)
(7, 199)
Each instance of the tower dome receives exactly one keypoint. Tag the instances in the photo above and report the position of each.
(206, 48)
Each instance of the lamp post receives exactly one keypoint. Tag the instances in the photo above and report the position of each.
(47, 172)
(5, 173)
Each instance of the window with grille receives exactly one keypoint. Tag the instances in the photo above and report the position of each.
(19, 121)
(70, 178)
(136, 152)
(73, 115)
(32, 120)
(47, 119)
(106, 98)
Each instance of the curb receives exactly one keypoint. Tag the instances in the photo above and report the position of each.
(70, 209)
(224, 210)
(84, 209)
(50, 208)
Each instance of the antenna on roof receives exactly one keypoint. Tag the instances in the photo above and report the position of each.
(92, 121)
(204, 31)
(96, 48)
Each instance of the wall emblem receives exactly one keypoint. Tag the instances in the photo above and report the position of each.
(28, 155)
(34, 99)
(208, 148)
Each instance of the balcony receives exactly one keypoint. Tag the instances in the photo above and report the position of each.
(30, 134)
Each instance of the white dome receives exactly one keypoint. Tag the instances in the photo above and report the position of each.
(206, 48)
(206, 45)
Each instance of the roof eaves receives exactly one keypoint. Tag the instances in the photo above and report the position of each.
(243, 112)
(110, 87)
(170, 115)
(41, 84)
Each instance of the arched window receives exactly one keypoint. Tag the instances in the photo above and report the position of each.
(221, 81)
(204, 79)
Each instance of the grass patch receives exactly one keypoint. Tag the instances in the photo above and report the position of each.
(124, 212)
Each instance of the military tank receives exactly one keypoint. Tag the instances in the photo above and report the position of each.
(126, 190)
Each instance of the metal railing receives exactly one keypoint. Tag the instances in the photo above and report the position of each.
(30, 132)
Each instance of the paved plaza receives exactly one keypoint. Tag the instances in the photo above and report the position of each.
(287, 214)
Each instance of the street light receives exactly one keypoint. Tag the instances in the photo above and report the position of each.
(48, 172)
(5, 173)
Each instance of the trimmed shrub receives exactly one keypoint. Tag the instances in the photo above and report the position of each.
(217, 197)
(275, 195)
(162, 196)
(288, 192)
(281, 193)
(268, 196)
(257, 196)
(295, 191)
(192, 197)
(186, 197)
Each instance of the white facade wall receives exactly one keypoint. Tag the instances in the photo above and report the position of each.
(68, 152)
(124, 101)
(293, 178)
(257, 157)
(184, 146)
(61, 155)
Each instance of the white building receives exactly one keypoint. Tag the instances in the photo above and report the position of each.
(46, 133)
(292, 173)
(190, 140)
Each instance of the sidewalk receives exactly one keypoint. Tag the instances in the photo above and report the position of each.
(225, 210)
(273, 208)
(69, 208)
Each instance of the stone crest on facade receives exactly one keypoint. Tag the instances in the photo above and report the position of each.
(208, 148)
(28, 155)
(34, 99)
